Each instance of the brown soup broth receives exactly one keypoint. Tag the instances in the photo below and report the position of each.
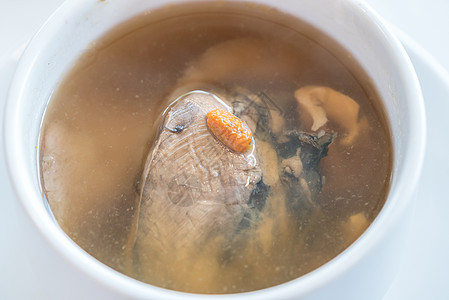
(103, 118)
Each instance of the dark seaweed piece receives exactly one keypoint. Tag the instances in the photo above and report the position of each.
(258, 107)
(298, 197)
(313, 148)
(289, 148)
(256, 204)
(259, 196)
(255, 110)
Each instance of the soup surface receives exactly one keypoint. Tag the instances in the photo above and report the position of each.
(128, 184)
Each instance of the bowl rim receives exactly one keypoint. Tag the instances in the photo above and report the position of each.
(126, 286)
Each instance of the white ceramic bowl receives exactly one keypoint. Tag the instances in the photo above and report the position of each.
(363, 271)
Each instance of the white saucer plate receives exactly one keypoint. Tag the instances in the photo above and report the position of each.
(425, 273)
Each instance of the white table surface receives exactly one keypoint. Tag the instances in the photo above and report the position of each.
(426, 22)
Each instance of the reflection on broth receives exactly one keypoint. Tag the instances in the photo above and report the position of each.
(137, 179)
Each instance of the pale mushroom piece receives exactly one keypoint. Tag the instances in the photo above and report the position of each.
(268, 163)
(292, 165)
(278, 123)
(251, 56)
(354, 226)
(318, 105)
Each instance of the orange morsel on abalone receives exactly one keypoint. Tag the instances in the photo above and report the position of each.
(233, 132)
